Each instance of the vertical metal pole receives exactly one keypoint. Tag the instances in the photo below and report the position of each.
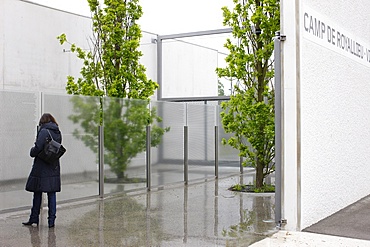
(278, 150)
(205, 131)
(159, 67)
(241, 165)
(101, 161)
(186, 154)
(216, 151)
(148, 158)
(42, 106)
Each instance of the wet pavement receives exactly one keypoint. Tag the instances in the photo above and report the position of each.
(202, 214)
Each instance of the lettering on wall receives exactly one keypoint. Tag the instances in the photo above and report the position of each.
(320, 30)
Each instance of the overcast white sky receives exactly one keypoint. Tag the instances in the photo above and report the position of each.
(163, 16)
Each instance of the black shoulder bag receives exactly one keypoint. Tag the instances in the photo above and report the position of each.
(52, 150)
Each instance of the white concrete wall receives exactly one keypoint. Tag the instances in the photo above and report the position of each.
(33, 59)
(326, 140)
(2, 6)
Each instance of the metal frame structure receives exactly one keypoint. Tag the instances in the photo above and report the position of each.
(160, 39)
(278, 107)
(278, 129)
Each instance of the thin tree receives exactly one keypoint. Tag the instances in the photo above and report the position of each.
(111, 67)
(250, 112)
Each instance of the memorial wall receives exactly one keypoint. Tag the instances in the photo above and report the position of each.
(326, 71)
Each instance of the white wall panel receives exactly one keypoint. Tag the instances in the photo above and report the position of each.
(2, 6)
(33, 58)
(333, 102)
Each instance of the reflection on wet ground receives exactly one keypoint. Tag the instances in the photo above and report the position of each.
(204, 214)
(35, 239)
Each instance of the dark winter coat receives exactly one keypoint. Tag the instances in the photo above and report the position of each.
(44, 177)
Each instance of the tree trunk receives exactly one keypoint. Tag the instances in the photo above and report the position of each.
(259, 174)
(120, 174)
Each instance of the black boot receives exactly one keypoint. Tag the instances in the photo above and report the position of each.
(51, 223)
(30, 222)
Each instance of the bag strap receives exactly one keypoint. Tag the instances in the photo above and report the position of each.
(50, 134)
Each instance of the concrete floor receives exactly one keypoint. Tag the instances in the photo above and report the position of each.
(203, 214)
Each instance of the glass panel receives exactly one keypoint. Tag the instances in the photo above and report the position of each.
(167, 164)
(19, 118)
(228, 157)
(125, 122)
(201, 122)
(188, 70)
(78, 119)
(125, 141)
(216, 43)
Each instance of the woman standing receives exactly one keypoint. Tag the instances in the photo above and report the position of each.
(44, 177)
